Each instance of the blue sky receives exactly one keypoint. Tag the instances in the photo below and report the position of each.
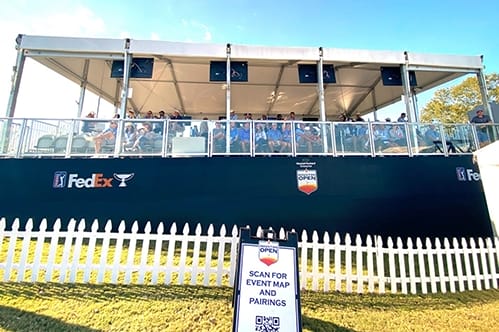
(448, 27)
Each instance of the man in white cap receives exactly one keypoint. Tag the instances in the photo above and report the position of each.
(233, 115)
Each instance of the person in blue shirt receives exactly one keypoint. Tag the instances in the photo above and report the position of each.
(235, 141)
(274, 137)
(481, 129)
(218, 135)
(431, 134)
(244, 136)
(286, 138)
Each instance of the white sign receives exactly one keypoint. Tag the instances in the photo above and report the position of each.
(268, 288)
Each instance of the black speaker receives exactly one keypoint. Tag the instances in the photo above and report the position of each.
(392, 76)
(140, 68)
(238, 71)
(307, 73)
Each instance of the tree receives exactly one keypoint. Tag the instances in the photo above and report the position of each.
(451, 105)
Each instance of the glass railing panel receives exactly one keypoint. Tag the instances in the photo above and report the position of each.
(313, 138)
(143, 137)
(273, 137)
(420, 144)
(493, 132)
(352, 138)
(218, 138)
(459, 138)
(486, 133)
(10, 131)
(43, 137)
(158, 137)
(82, 143)
(100, 136)
(389, 138)
(63, 139)
(184, 139)
(241, 137)
(260, 139)
(425, 138)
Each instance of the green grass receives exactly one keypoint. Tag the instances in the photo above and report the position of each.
(87, 307)
(107, 307)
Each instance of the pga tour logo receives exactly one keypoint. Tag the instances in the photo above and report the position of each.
(63, 179)
(268, 253)
(467, 174)
(307, 180)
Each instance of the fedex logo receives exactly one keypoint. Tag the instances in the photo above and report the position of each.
(97, 180)
(64, 180)
(467, 174)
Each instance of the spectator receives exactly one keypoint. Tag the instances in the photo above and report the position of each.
(130, 114)
(158, 126)
(194, 131)
(218, 138)
(481, 129)
(233, 115)
(203, 130)
(274, 136)
(107, 137)
(176, 126)
(286, 138)
(402, 118)
(260, 138)
(244, 136)
(358, 117)
(149, 115)
(88, 126)
(129, 137)
(145, 137)
(235, 140)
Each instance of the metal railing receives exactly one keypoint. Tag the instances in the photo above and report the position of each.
(67, 138)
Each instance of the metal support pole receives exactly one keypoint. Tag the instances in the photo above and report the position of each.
(375, 107)
(322, 104)
(409, 107)
(320, 82)
(127, 63)
(227, 100)
(14, 91)
(483, 92)
(83, 88)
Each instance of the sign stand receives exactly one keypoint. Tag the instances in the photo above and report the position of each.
(267, 289)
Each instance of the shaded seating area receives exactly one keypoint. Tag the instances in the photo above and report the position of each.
(45, 144)
(51, 144)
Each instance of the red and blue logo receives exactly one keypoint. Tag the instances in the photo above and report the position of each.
(60, 179)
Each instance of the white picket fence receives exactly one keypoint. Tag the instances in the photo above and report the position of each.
(79, 256)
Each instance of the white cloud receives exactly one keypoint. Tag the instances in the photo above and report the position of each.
(155, 36)
(207, 36)
(125, 34)
(197, 31)
(42, 92)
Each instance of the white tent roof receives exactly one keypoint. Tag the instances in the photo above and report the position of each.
(181, 75)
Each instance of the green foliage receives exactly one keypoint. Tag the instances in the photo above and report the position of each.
(450, 105)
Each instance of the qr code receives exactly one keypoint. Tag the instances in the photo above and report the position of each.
(267, 324)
